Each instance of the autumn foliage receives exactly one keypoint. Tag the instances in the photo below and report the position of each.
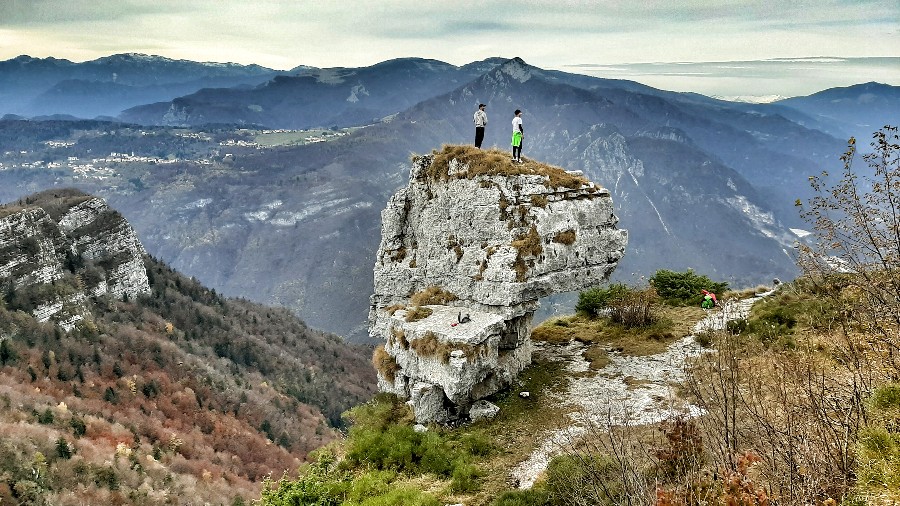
(178, 394)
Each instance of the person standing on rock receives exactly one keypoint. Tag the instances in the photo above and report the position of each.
(480, 123)
(518, 134)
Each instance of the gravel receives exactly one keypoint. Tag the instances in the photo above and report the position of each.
(629, 391)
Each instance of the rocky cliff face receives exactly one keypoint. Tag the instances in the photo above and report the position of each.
(467, 250)
(59, 247)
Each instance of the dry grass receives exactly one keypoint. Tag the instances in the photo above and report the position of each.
(743, 293)
(385, 364)
(399, 337)
(597, 357)
(566, 237)
(394, 308)
(398, 254)
(528, 245)
(674, 323)
(539, 201)
(10, 209)
(453, 243)
(418, 313)
(495, 162)
(432, 296)
(430, 345)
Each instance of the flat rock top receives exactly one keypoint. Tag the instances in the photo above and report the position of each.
(441, 323)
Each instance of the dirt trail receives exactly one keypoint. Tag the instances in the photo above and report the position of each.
(630, 390)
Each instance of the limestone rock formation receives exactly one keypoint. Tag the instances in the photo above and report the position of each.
(61, 246)
(467, 249)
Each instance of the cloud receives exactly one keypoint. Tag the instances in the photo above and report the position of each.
(775, 76)
(548, 33)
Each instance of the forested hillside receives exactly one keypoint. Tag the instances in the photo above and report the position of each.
(179, 394)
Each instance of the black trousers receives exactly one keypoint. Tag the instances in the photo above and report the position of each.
(517, 150)
(479, 136)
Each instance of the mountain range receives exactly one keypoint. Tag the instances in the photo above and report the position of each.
(698, 182)
(107, 86)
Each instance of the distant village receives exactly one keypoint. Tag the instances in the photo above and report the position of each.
(101, 168)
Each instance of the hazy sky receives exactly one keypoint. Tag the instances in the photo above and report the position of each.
(725, 47)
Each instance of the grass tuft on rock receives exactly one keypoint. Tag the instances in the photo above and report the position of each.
(493, 162)
(432, 296)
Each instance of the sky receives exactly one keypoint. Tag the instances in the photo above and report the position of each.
(715, 47)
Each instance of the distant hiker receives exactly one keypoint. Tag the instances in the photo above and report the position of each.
(518, 134)
(709, 300)
(480, 123)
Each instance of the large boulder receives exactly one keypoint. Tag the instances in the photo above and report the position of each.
(467, 249)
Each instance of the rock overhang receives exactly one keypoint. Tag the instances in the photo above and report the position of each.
(497, 237)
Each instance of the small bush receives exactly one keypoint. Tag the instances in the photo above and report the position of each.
(683, 450)
(736, 327)
(705, 338)
(593, 300)
(634, 308)
(886, 397)
(772, 322)
(319, 483)
(684, 288)
(465, 478)
(585, 479)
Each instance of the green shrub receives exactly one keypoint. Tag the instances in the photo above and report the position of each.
(533, 497)
(584, 479)
(406, 496)
(319, 483)
(594, 300)
(878, 446)
(684, 288)
(886, 397)
(773, 322)
(476, 444)
(371, 484)
(465, 478)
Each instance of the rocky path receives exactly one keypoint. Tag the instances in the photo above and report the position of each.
(630, 390)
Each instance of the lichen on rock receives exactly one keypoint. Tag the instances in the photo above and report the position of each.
(492, 238)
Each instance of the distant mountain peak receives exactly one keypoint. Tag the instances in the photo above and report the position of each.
(517, 69)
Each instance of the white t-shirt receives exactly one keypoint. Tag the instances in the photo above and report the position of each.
(516, 123)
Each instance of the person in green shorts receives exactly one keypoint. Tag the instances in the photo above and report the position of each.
(517, 135)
